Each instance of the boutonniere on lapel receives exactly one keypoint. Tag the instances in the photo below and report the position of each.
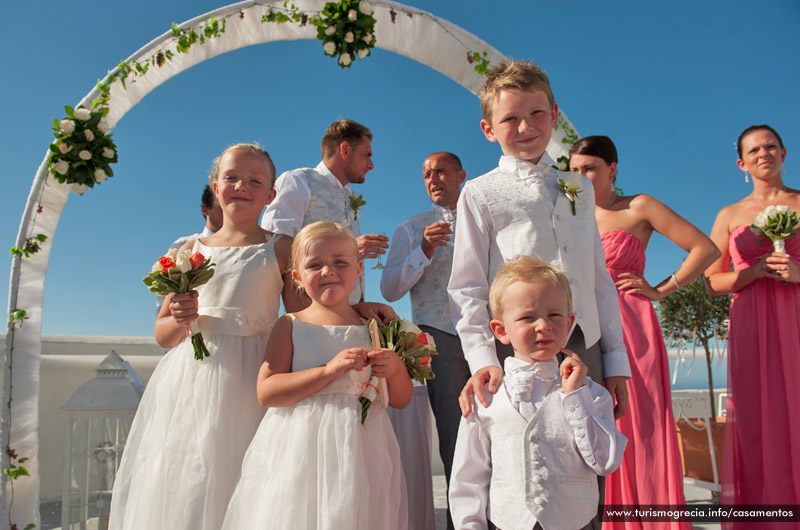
(356, 202)
(570, 185)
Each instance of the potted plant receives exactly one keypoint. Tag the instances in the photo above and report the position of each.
(691, 315)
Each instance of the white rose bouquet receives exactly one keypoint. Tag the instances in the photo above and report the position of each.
(180, 272)
(414, 347)
(777, 223)
(83, 151)
(346, 29)
(571, 185)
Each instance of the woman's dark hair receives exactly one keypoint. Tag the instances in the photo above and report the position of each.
(752, 129)
(599, 146)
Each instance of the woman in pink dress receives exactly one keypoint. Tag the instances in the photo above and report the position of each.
(651, 468)
(761, 459)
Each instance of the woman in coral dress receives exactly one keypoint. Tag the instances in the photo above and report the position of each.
(761, 458)
(651, 468)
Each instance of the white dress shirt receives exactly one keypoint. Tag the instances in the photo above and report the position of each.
(286, 212)
(409, 269)
(542, 227)
(589, 412)
(295, 206)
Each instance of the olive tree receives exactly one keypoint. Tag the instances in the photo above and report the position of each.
(691, 315)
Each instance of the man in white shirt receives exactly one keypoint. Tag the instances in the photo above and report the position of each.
(213, 216)
(420, 261)
(323, 193)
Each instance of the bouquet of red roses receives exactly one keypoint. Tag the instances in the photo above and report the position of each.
(414, 347)
(179, 272)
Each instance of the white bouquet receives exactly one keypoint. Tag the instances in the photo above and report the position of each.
(778, 223)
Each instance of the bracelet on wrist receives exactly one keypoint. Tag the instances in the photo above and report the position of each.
(677, 285)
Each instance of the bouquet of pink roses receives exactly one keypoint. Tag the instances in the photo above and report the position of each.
(414, 347)
(179, 272)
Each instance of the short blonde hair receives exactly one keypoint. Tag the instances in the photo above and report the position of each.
(516, 75)
(529, 270)
(311, 233)
(254, 148)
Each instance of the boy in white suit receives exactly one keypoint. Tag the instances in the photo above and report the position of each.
(530, 459)
(527, 207)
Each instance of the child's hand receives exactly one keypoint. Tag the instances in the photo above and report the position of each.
(385, 363)
(573, 372)
(183, 307)
(346, 360)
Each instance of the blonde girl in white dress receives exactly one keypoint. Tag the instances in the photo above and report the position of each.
(313, 465)
(196, 418)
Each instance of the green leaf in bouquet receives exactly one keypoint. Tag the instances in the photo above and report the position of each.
(201, 279)
(420, 350)
(365, 405)
(405, 340)
(183, 283)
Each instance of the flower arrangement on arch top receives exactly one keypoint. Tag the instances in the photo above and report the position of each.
(346, 29)
(83, 151)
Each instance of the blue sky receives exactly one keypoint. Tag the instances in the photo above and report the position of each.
(672, 83)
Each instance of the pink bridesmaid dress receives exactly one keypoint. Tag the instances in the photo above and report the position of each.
(651, 471)
(761, 459)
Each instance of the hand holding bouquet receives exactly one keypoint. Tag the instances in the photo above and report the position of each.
(414, 347)
(778, 223)
(179, 272)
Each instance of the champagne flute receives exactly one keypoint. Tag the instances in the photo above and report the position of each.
(379, 265)
(443, 216)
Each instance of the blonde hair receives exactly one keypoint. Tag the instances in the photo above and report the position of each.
(529, 270)
(311, 233)
(516, 75)
(254, 148)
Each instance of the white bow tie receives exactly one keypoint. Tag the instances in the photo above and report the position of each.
(519, 380)
(534, 175)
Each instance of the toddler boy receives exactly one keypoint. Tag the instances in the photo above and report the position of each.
(530, 458)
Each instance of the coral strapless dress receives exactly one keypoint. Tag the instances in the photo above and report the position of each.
(651, 470)
(761, 462)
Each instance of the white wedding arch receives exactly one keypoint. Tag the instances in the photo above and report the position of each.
(417, 35)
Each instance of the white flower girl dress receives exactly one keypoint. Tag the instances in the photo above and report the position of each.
(313, 465)
(184, 451)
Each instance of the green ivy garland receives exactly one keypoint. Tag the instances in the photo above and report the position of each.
(31, 246)
(335, 14)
